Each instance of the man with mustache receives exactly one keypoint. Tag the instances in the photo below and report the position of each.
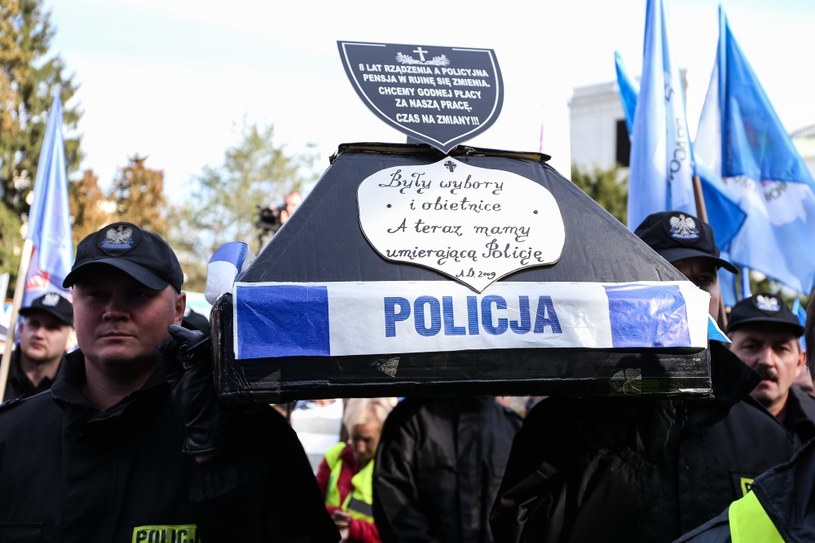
(780, 505)
(766, 336)
(642, 469)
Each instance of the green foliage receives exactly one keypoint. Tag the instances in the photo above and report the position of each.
(138, 194)
(224, 202)
(609, 188)
(89, 206)
(11, 244)
(29, 76)
(28, 80)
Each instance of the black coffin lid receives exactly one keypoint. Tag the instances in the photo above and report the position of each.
(323, 242)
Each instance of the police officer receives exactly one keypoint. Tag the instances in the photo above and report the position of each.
(779, 506)
(131, 443)
(620, 469)
(44, 334)
(766, 336)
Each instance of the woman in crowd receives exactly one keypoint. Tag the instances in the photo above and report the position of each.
(345, 475)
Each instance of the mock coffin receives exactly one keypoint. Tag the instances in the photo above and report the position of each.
(409, 271)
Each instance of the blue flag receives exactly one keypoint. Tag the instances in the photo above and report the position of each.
(629, 90)
(733, 287)
(741, 140)
(49, 224)
(723, 213)
(661, 172)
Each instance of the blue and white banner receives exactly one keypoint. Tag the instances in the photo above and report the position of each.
(661, 170)
(629, 91)
(49, 220)
(274, 320)
(723, 212)
(741, 140)
(228, 262)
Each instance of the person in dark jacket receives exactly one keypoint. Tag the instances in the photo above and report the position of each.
(195, 321)
(44, 333)
(634, 469)
(765, 335)
(131, 443)
(438, 467)
(804, 381)
(780, 507)
(781, 504)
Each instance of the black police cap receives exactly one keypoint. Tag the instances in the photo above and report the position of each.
(677, 235)
(53, 304)
(141, 254)
(763, 309)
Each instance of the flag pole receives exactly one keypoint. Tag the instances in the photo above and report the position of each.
(48, 232)
(19, 290)
(701, 212)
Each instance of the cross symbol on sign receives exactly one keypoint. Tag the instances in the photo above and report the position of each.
(450, 165)
(419, 51)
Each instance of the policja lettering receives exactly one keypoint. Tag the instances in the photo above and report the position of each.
(178, 533)
(431, 316)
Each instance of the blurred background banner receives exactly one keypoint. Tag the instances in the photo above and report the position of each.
(741, 140)
(661, 171)
(49, 222)
(721, 211)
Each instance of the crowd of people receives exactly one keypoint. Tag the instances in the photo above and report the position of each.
(124, 438)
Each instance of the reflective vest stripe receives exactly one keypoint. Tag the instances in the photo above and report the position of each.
(359, 502)
(750, 523)
(361, 507)
(332, 458)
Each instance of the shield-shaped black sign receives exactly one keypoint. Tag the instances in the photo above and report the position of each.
(436, 95)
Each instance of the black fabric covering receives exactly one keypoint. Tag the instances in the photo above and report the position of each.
(323, 242)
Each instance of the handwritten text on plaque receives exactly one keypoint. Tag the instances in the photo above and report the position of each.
(473, 224)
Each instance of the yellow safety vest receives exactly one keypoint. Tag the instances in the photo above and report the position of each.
(749, 522)
(359, 502)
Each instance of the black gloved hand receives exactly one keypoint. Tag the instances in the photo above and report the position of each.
(202, 413)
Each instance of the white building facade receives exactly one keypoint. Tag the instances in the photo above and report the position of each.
(599, 138)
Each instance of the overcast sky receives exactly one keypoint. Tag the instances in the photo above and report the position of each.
(173, 79)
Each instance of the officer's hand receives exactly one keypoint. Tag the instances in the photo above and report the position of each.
(203, 416)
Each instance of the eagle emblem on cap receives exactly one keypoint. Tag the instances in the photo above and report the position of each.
(768, 303)
(683, 227)
(118, 237)
(51, 299)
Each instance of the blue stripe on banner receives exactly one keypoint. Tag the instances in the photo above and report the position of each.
(233, 252)
(290, 320)
(643, 315)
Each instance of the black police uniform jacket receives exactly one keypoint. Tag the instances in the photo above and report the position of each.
(616, 469)
(800, 416)
(70, 472)
(18, 384)
(787, 495)
(438, 467)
